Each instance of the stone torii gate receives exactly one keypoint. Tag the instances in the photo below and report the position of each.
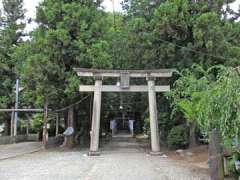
(124, 86)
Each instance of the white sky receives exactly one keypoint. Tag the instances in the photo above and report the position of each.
(30, 6)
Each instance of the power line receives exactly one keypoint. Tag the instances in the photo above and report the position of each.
(71, 105)
(190, 49)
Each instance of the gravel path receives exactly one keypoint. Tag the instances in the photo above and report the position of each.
(125, 164)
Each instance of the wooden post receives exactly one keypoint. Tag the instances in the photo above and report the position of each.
(45, 121)
(215, 156)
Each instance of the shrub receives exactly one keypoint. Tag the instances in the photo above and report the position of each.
(178, 137)
(146, 126)
(36, 123)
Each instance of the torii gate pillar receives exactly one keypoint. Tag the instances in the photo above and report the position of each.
(96, 114)
(155, 142)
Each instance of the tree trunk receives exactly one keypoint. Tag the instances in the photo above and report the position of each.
(7, 127)
(27, 124)
(69, 140)
(57, 125)
(45, 121)
(65, 116)
(192, 135)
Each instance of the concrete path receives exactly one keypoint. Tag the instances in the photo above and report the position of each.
(114, 164)
(14, 150)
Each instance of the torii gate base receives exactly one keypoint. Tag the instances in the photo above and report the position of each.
(98, 88)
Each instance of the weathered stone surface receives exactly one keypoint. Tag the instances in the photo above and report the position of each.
(94, 134)
(215, 156)
(155, 140)
(180, 152)
(189, 154)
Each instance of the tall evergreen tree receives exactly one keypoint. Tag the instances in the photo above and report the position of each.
(11, 33)
(186, 33)
(70, 35)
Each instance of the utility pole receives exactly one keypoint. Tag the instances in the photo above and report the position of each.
(114, 18)
(16, 107)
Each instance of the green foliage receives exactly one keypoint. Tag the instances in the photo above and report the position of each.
(153, 34)
(146, 127)
(36, 123)
(210, 99)
(11, 33)
(187, 92)
(141, 8)
(220, 104)
(185, 34)
(178, 137)
(235, 156)
(71, 34)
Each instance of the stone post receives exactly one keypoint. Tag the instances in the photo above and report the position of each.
(215, 156)
(155, 144)
(27, 124)
(12, 124)
(96, 113)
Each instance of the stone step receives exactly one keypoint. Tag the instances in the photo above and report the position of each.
(123, 145)
(122, 135)
(119, 139)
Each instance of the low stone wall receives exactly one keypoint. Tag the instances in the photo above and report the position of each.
(52, 141)
(6, 140)
(33, 137)
(19, 138)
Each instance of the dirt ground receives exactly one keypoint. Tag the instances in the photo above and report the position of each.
(129, 162)
(198, 158)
